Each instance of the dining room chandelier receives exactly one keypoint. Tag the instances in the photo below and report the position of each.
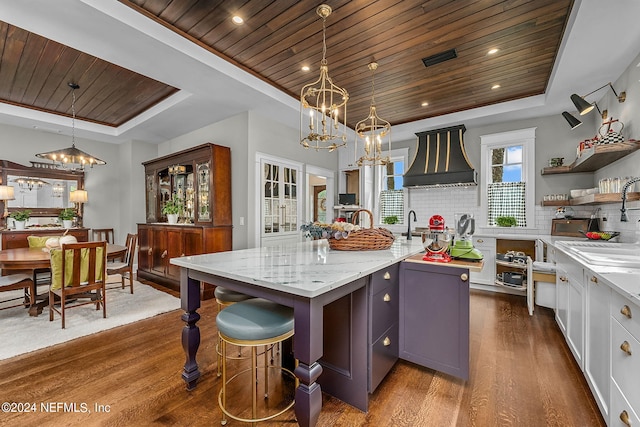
(72, 158)
(323, 105)
(373, 131)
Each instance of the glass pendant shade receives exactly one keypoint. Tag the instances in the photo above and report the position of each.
(323, 105)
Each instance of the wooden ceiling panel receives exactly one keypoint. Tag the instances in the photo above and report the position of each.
(35, 72)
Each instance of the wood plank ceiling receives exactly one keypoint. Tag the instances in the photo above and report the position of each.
(35, 72)
(278, 37)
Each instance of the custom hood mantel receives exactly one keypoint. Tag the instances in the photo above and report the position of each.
(440, 160)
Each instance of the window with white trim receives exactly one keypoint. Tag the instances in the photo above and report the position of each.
(391, 193)
(508, 176)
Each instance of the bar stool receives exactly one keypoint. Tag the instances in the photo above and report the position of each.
(253, 323)
(226, 297)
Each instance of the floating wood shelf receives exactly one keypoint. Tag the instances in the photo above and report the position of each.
(593, 199)
(596, 157)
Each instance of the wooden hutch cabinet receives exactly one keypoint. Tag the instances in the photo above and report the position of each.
(201, 178)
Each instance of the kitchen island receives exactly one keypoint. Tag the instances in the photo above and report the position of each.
(331, 293)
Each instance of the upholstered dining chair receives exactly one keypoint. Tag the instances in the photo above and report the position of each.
(16, 282)
(125, 268)
(100, 234)
(78, 276)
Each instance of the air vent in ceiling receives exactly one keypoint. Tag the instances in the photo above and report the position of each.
(439, 57)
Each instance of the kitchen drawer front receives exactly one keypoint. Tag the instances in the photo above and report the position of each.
(621, 410)
(384, 354)
(625, 363)
(626, 313)
(573, 268)
(384, 311)
(380, 280)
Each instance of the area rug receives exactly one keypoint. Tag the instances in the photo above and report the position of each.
(21, 333)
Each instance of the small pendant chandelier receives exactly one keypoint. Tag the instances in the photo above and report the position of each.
(30, 183)
(72, 158)
(323, 105)
(373, 131)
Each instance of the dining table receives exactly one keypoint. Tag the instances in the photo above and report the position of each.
(33, 259)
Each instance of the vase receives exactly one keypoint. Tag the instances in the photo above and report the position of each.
(19, 224)
(67, 223)
(172, 218)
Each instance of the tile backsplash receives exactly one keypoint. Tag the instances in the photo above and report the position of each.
(449, 201)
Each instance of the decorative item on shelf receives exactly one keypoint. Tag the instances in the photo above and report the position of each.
(506, 221)
(177, 170)
(583, 106)
(172, 209)
(20, 218)
(323, 105)
(79, 197)
(373, 131)
(554, 162)
(610, 132)
(72, 158)
(30, 183)
(6, 194)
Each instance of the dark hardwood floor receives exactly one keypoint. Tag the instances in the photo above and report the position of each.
(522, 374)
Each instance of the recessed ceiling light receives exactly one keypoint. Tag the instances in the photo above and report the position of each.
(425, 104)
(492, 51)
(305, 68)
(237, 20)
(495, 87)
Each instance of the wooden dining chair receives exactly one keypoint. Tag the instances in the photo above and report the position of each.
(15, 282)
(100, 234)
(78, 276)
(125, 268)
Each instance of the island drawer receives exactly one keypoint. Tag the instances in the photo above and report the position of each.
(383, 278)
(384, 310)
(626, 313)
(384, 354)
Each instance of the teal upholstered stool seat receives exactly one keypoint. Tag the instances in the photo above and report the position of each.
(252, 323)
(226, 296)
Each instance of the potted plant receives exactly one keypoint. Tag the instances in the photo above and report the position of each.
(67, 215)
(19, 218)
(172, 208)
(506, 221)
(391, 219)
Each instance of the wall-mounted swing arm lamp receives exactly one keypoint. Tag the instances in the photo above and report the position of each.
(583, 106)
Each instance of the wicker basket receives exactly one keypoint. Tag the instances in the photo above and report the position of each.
(365, 239)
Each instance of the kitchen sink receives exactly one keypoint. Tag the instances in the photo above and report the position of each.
(604, 253)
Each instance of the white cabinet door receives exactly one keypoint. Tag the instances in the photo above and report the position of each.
(562, 298)
(575, 320)
(597, 336)
(486, 245)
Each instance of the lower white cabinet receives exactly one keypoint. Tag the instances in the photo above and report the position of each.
(575, 320)
(562, 297)
(487, 276)
(598, 336)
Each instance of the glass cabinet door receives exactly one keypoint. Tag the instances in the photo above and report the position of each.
(204, 192)
(150, 188)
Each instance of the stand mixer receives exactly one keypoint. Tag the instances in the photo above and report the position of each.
(463, 245)
(436, 241)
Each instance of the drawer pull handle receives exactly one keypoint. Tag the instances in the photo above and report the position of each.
(164, 254)
(626, 311)
(150, 251)
(386, 298)
(387, 276)
(480, 241)
(563, 278)
(624, 417)
(626, 347)
(464, 277)
(594, 279)
(386, 342)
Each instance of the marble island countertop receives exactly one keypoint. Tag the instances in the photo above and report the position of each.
(306, 269)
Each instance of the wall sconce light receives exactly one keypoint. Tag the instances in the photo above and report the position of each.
(6, 194)
(583, 106)
(79, 197)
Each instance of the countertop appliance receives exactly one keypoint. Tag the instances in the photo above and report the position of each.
(463, 245)
(436, 241)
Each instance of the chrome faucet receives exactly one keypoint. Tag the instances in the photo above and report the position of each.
(409, 223)
(625, 188)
